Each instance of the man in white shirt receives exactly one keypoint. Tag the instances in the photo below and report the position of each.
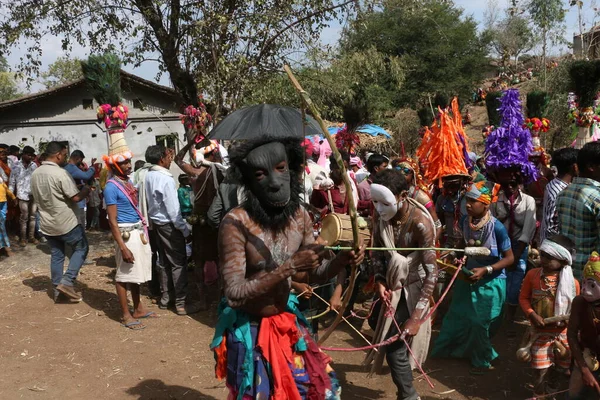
(171, 230)
(20, 185)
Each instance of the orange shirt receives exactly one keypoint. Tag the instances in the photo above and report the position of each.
(538, 293)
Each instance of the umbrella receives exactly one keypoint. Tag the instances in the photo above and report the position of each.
(265, 120)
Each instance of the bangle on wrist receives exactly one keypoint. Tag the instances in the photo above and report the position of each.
(489, 269)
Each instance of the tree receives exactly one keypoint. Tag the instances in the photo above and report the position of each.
(438, 46)
(549, 18)
(62, 71)
(512, 37)
(9, 89)
(369, 79)
(217, 46)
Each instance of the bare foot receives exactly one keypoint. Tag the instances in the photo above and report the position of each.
(142, 312)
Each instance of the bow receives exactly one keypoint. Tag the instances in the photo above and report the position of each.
(351, 206)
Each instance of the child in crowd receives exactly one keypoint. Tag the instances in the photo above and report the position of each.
(583, 334)
(94, 203)
(475, 312)
(185, 193)
(547, 292)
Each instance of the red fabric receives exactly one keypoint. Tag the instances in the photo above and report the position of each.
(315, 362)
(320, 200)
(221, 356)
(277, 335)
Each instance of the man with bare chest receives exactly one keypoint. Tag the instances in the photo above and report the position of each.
(262, 344)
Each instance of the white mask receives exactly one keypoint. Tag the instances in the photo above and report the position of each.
(385, 202)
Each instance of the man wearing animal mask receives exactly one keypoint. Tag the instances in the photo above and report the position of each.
(264, 243)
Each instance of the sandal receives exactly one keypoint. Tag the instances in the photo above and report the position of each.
(134, 325)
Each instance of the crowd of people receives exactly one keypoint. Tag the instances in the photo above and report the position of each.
(522, 239)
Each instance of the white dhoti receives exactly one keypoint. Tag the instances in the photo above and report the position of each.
(141, 269)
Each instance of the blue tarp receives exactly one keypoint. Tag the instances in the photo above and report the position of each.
(369, 129)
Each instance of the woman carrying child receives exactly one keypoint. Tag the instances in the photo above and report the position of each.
(547, 292)
(475, 312)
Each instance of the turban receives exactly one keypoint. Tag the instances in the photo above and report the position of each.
(484, 192)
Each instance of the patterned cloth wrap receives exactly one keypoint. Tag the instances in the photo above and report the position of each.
(271, 357)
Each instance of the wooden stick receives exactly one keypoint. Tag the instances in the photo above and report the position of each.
(351, 206)
(345, 320)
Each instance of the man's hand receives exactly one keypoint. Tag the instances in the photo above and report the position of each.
(308, 257)
(335, 302)
(353, 258)
(93, 162)
(305, 289)
(410, 328)
(478, 273)
(536, 320)
(589, 379)
(383, 292)
(127, 255)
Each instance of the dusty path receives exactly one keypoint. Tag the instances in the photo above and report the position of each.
(79, 351)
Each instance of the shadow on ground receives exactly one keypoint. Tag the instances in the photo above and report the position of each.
(155, 389)
(97, 299)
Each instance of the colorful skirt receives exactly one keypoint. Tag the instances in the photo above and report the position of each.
(542, 351)
(474, 317)
(272, 358)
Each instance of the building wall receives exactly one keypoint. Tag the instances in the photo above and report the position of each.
(61, 116)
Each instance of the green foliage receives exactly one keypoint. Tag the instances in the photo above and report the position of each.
(537, 104)
(585, 81)
(425, 116)
(103, 77)
(441, 100)
(61, 71)
(9, 88)
(492, 103)
(219, 46)
(437, 44)
(363, 83)
(511, 37)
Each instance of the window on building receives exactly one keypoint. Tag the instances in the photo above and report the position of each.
(88, 104)
(137, 103)
(169, 141)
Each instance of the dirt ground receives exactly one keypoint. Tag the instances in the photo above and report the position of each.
(69, 351)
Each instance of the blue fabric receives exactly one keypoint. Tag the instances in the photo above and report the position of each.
(4, 242)
(80, 177)
(514, 280)
(369, 129)
(125, 211)
(75, 239)
(238, 322)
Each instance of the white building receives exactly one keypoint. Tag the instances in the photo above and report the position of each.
(67, 114)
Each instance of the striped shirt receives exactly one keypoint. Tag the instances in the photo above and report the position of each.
(578, 208)
(550, 218)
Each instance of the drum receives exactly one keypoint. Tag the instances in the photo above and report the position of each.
(337, 230)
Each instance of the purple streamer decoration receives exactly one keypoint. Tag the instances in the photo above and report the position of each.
(510, 144)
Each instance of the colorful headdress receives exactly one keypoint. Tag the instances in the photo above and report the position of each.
(592, 268)
(444, 148)
(103, 76)
(196, 118)
(537, 102)
(214, 145)
(484, 192)
(413, 165)
(308, 148)
(510, 144)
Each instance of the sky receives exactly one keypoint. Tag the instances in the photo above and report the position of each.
(329, 36)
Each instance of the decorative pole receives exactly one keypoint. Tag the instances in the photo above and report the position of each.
(351, 206)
